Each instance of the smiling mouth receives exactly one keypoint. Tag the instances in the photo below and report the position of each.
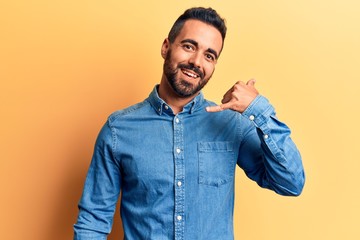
(189, 73)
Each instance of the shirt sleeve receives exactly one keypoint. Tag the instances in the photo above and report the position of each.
(101, 191)
(267, 153)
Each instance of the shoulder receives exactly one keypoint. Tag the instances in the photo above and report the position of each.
(133, 110)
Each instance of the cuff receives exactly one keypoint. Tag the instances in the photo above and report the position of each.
(259, 111)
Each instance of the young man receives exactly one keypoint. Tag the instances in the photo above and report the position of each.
(173, 156)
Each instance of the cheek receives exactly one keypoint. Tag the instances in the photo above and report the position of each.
(209, 69)
(180, 56)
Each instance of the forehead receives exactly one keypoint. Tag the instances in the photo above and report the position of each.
(205, 35)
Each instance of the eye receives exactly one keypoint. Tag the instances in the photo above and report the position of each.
(210, 57)
(188, 47)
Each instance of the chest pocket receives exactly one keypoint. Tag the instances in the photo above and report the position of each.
(216, 163)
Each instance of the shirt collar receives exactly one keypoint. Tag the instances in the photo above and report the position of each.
(160, 105)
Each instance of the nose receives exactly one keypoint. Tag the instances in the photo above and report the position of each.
(196, 59)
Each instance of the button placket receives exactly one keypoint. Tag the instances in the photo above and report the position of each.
(179, 179)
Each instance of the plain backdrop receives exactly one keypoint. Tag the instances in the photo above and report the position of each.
(66, 65)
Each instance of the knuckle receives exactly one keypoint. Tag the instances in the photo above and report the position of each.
(234, 95)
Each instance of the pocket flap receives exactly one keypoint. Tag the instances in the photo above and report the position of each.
(215, 146)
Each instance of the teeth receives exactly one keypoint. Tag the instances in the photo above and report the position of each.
(190, 74)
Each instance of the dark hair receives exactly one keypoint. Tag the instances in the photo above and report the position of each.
(206, 15)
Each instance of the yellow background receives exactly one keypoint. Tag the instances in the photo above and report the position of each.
(66, 65)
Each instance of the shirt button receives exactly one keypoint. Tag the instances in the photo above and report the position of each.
(179, 218)
(178, 150)
(179, 183)
(266, 136)
(252, 117)
(177, 120)
(166, 107)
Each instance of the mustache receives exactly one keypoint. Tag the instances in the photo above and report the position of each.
(192, 68)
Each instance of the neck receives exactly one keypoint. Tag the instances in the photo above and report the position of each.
(171, 98)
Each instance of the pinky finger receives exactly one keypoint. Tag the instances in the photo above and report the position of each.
(214, 108)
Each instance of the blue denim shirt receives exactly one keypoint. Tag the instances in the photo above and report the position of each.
(175, 173)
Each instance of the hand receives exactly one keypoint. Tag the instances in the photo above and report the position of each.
(237, 98)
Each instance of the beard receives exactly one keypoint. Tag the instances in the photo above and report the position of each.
(182, 87)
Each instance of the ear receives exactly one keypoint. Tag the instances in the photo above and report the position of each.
(165, 48)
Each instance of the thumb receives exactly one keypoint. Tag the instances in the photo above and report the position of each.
(251, 82)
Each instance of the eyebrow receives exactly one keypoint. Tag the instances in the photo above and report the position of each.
(210, 50)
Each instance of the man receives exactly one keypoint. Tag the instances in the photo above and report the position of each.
(173, 156)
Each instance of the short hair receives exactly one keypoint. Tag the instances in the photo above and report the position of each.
(206, 15)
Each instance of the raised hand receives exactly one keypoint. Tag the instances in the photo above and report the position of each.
(237, 98)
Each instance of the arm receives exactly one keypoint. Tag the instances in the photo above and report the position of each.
(101, 191)
(267, 153)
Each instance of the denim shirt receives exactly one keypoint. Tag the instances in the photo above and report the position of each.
(175, 172)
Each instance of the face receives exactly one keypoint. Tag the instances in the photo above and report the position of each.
(190, 60)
